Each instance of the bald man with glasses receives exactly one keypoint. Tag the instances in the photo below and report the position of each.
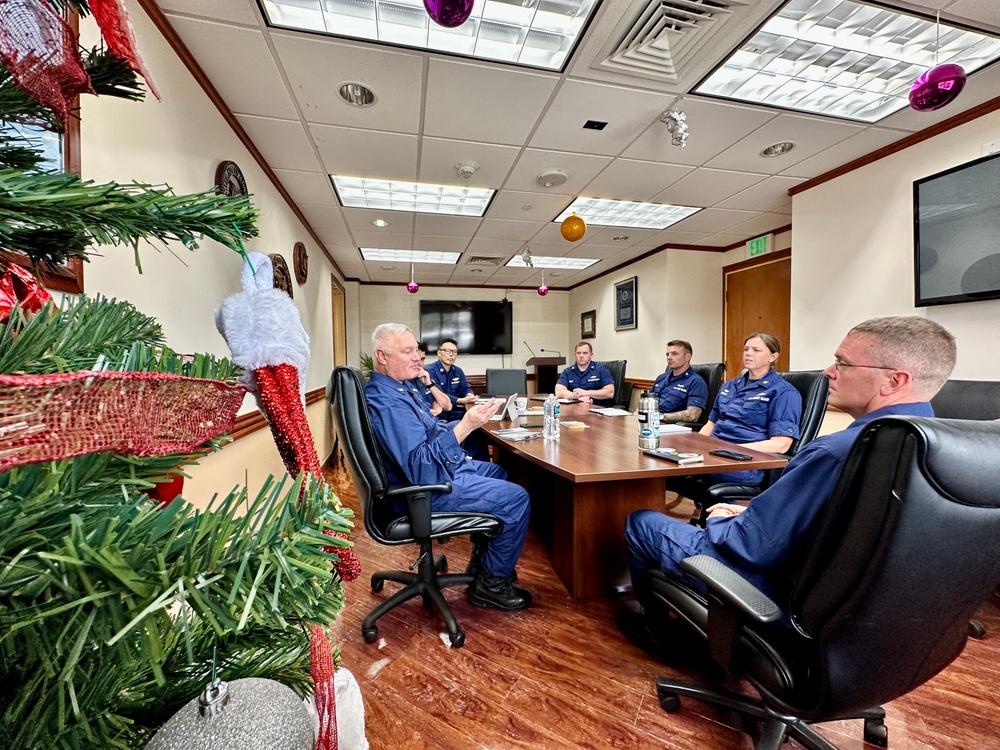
(450, 380)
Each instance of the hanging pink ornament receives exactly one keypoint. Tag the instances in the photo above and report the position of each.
(937, 87)
(413, 287)
(448, 13)
(543, 289)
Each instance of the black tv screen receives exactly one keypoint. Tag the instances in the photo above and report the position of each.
(478, 327)
(956, 234)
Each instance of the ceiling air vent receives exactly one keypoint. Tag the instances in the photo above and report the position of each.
(484, 260)
(667, 36)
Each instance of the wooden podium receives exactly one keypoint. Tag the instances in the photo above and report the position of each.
(546, 372)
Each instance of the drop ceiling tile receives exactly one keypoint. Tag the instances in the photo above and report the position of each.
(854, 147)
(766, 195)
(633, 180)
(503, 229)
(604, 236)
(385, 241)
(550, 249)
(439, 157)
(231, 57)
(759, 225)
(364, 153)
(722, 240)
(579, 169)
(283, 143)
(505, 248)
(360, 220)
(712, 126)
(810, 134)
(235, 11)
(441, 244)
(308, 187)
(484, 103)
(707, 187)
(446, 226)
(977, 12)
(713, 220)
(319, 65)
(670, 236)
(515, 205)
(627, 112)
(325, 217)
(353, 269)
(339, 237)
(549, 233)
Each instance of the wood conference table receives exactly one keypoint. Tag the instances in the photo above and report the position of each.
(584, 485)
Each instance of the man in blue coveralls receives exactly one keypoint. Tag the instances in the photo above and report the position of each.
(683, 392)
(417, 449)
(884, 366)
(451, 380)
(436, 401)
(587, 381)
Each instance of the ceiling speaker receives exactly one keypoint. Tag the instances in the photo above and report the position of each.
(551, 178)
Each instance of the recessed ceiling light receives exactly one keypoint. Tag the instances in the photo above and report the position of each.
(380, 223)
(620, 238)
(777, 149)
(387, 267)
(526, 208)
(543, 261)
(409, 256)
(555, 274)
(475, 270)
(535, 34)
(610, 213)
(594, 125)
(357, 94)
(843, 59)
(392, 195)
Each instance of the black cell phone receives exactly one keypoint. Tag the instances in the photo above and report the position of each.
(731, 454)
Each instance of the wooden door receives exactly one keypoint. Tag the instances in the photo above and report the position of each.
(757, 298)
(339, 322)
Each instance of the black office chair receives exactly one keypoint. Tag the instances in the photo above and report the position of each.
(623, 397)
(417, 526)
(506, 381)
(904, 553)
(712, 374)
(617, 369)
(814, 388)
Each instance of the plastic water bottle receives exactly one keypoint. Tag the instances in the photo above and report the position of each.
(550, 431)
(649, 421)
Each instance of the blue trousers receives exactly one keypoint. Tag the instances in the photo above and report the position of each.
(655, 540)
(486, 490)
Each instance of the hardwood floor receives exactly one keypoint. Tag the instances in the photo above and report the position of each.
(560, 675)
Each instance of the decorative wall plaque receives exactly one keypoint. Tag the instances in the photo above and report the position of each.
(229, 179)
(300, 260)
(282, 278)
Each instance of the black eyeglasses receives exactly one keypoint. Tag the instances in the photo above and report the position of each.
(448, 351)
(838, 365)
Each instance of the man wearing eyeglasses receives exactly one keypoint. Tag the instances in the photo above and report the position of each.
(450, 380)
(436, 401)
(885, 366)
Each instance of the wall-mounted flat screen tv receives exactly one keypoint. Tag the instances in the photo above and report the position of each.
(478, 327)
(956, 234)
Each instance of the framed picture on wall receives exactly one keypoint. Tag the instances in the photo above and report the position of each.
(588, 324)
(625, 309)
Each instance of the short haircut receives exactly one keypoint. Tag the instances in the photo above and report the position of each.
(586, 344)
(769, 339)
(686, 346)
(920, 346)
(382, 333)
(448, 341)
(421, 346)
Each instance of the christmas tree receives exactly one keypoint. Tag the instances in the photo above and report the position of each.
(113, 606)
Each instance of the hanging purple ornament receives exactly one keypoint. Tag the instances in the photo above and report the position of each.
(413, 287)
(543, 290)
(448, 13)
(937, 87)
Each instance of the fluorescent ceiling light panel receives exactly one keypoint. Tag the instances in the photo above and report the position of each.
(843, 59)
(409, 256)
(547, 261)
(360, 192)
(607, 213)
(536, 33)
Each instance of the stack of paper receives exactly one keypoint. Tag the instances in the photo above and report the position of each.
(611, 411)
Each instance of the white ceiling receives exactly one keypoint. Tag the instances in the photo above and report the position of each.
(434, 111)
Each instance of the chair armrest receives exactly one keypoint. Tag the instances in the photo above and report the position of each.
(418, 503)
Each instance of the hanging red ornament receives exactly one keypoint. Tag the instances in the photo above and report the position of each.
(543, 289)
(937, 87)
(449, 13)
(573, 228)
(19, 288)
(413, 287)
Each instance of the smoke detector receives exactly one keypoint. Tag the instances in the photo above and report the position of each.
(551, 178)
(466, 169)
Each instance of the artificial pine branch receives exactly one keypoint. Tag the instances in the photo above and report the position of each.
(111, 76)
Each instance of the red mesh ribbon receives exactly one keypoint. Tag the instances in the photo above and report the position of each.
(324, 689)
(112, 17)
(278, 391)
(19, 288)
(50, 417)
(40, 50)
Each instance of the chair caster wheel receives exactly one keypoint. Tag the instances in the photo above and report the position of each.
(377, 584)
(876, 732)
(441, 564)
(370, 634)
(977, 629)
(457, 639)
(426, 601)
(670, 702)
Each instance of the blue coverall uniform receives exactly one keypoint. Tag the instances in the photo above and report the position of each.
(678, 392)
(417, 449)
(595, 377)
(767, 542)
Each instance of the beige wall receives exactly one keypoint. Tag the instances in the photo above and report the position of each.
(853, 255)
(180, 142)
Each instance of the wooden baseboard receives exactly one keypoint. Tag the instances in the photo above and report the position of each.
(250, 422)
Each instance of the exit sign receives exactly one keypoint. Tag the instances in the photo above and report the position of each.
(760, 245)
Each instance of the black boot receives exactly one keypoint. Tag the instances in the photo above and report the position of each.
(498, 593)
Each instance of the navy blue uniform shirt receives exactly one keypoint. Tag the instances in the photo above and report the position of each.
(678, 392)
(595, 377)
(453, 384)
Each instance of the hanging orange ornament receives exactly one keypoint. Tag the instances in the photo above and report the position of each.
(573, 228)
